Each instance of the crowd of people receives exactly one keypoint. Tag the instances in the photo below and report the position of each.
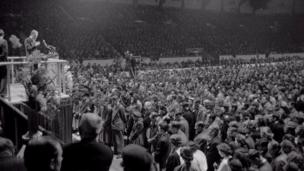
(233, 117)
(190, 116)
(245, 117)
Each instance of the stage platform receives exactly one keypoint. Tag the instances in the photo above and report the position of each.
(18, 94)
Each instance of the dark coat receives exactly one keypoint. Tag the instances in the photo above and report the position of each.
(162, 150)
(30, 45)
(12, 164)
(89, 156)
(212, 154)
(173, 161)
(118, 118)
(191, 118)
(137, 133)
(107, 126)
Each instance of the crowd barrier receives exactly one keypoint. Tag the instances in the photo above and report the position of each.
(247, 57)
(105, 62)
(261, 56)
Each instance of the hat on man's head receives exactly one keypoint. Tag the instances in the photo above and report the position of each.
(253, 154)
(186, 153)
(176, 124)
(184, 104)
(225, 148)
(136, 113)
(287, 145)
(193, 146)
(199, 123)
(236, 164)
(176, 139)
(136, 158)
(153, 114)
(90, 125)
(163, 125)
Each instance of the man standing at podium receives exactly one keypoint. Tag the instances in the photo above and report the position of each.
(3, 69)
(31, 43)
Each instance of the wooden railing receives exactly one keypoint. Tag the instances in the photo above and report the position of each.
(58, 124)
(17, 120)
(14, 122)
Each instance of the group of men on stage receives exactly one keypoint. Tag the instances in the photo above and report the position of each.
(31, 44)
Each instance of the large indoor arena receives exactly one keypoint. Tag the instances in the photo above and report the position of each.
(151, 85)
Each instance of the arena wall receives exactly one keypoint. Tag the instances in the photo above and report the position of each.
(274, 6)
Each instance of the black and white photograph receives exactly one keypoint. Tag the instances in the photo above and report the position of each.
(151, 85)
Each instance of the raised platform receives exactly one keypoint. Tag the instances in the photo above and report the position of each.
(18, 94)
(57, 122)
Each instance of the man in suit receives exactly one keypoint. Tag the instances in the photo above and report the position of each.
(3, 69)
(118, 125)
(190, 118)
(163, 146)
(88, 154)
(31, 43)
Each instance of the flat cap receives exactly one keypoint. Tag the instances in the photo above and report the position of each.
(176, 139)
(136, 158)
(225, 148)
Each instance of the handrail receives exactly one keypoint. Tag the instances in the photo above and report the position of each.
(20, 118)
(15, 123)
(23, 63)
(16, 57)
(16, 111)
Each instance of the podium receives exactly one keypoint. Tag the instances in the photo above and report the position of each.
(16, 92)
(59, 123)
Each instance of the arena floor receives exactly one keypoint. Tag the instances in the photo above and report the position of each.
(116, 165)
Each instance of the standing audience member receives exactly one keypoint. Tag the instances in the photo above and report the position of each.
(187, 156)
(137, 132)
(176, 129)
(118, 123)
(43, 153)
(199, 158)
(258, 162)
(137, 158)
(225, 152)
(163, 147)
(88, 154)
(174, 158)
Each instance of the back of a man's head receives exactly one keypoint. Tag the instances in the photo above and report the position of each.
(136, 158)
(87, 156)
(90, 126)
(6, 148)
(43, 153)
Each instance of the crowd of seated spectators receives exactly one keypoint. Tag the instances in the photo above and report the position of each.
(96, 30)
